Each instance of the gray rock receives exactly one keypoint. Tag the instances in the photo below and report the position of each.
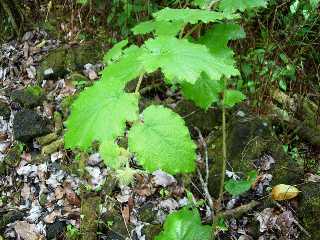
(27, 125)
(9, 217)
(29, 97)
(55, 230)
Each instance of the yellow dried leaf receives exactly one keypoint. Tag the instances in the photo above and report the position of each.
(284, 192)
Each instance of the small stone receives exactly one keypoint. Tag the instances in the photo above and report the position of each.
(29, 97)
(55, 230)
(31, 71)
(27, 125)
(169, 204)
(163, 179)
(9, 217)
(55, 73)
(27, 36)
(28, 170)
(50, 218)
(94, 159)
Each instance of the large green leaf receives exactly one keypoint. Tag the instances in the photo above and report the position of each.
(160, 28)
(162, 141)
(183, 61)
(192, 16)
(231, 6)
(126, 68)
(100, 114)
(217, 38)
(204, 92)
(184, 225)
(115, 52)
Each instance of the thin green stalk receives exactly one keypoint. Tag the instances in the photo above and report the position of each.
(224, 149)
(139, 83)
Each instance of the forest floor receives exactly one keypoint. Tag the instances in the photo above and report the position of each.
(47, 192)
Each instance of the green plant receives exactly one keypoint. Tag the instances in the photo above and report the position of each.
(158, 137)
(100, 113)
(72, 232)
(237, 187)
(184, 224)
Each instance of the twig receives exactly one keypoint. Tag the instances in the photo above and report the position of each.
(125, 223)
(224, 149)
(205, 148)
(139, 83)
(238, 211)
(204, 183)
(206, 191)
(295, 221)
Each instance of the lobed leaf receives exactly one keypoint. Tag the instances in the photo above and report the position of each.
(216, 39)
(100, 114)
(115, 52)
(184, 225)
(160, 28)
(204, 92)
(192, 16)
(231, 6)
(182, 61)
(162, 141)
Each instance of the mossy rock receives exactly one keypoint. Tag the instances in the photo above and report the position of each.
(147, 214)
(28, 124)
(29, 97)
(10, 217)
(68, 59)
(89, 211)
(116, 229)
(193, 116)
(12, 159)
(309, 209)
(5, 111)
(55, 230)
(249, 138)
(151, 231)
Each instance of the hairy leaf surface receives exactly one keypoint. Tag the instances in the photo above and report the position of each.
(231, 6)
(100, 114)
(201, 3)
(192, 16)
(115, 52)
(127, 68)
(162, 141)
(113, 155)
(204, 92)
(184, 225)
(183, 61)
(160, 28)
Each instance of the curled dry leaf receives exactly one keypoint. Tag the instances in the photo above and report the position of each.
(284, 192)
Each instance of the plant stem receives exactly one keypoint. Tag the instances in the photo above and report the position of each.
(139, 83)
(224, 149)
